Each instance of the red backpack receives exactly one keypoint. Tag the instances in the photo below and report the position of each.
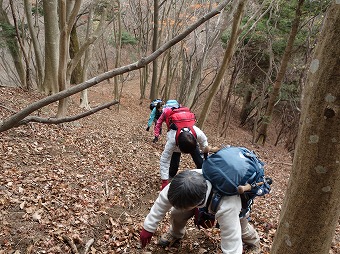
(180, 118)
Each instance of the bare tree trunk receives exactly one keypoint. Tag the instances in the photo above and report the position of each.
(226, 60)
(166, 93)
(67, 16)
(212, 35)
(143, 32)
(154, 85)
(50, 84)
(13, 46)
(36, 46)
(63, 57)
(262, 135)
(311, 208)
(84, 102)
(118, 40)
(246, 106)
(26, 83)
(263, 94)
(76, 75)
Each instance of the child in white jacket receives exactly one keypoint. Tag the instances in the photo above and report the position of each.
(188, 191)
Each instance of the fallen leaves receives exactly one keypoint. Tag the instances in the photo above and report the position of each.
(88, 187)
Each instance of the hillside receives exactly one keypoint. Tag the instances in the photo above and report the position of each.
(97, 177)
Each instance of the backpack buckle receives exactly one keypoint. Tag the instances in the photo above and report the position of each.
(215, 201)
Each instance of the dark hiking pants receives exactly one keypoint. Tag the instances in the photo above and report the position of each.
(176, 157)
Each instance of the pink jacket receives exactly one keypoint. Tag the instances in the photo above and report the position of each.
(164, 117)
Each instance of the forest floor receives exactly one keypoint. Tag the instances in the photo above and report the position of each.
(96, 178)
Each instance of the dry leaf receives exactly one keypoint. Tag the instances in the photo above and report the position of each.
(22, 205)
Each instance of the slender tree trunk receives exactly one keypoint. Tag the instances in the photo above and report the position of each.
(118, 40)
(13, 45)
(84, 102)
(212, 35)
(26, 83)
(311, 208)
(225, 63)
(154, 90)
(63, 51)
(262, 135)
(36, 46)
(166, 93)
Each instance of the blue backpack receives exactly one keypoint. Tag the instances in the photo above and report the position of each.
(235, 171)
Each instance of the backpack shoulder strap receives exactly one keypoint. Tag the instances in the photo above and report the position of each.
(190, 129)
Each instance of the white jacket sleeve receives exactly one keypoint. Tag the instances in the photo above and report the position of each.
(202, 139)
(228, 218)
(158, 211)
(169, 148)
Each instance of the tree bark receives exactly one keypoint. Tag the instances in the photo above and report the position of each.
(118, 43)
(50, 84)
(76, 73)
(68, 11)
(35, 42)
(13, 46)
(26, 84)
(154, 85)
(311, 208)
(63, 56)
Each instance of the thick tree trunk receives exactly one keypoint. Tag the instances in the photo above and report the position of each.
(67, 15)
(311, 207)
(76, 74)
(50, 84)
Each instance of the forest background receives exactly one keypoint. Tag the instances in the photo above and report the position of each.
(240, 66)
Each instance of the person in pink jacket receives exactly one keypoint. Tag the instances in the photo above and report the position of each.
(163, 118)
(190, 141)
(188, 191)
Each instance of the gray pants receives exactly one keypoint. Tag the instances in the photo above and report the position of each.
(179, 219)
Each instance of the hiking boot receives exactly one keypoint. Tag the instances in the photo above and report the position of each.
(254, 249)
(167, 240)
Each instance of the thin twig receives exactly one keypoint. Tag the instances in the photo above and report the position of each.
(279, 162)
(88, 245)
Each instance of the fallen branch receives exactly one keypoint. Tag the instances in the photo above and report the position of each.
(106, 189)
(280, 162)
(38, 119)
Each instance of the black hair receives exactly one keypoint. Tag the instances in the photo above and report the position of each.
(159, 105)
(187, 189)
(186, 142)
